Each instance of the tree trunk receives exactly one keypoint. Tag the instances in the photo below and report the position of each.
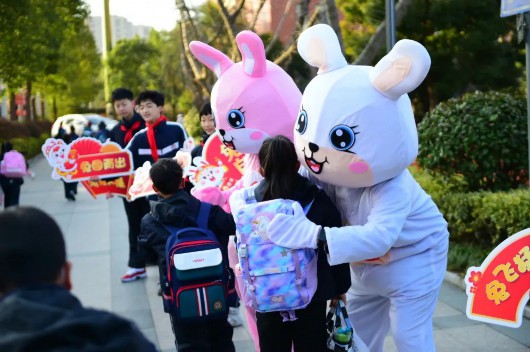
(54, 107)
(286, 11)
(29, 110)
(43, 108)
(196, 72)
(229, 21)
(332, 18)
(12, 107)
(256, 15)
(306, 22)
(190, 66)
(303, 12)
(34, 108)
(378, 40)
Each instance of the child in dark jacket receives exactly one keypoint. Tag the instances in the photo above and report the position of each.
(279, 167)
(178, 208)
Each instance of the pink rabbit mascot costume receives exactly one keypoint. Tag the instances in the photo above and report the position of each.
(252, 100)
(356, 136)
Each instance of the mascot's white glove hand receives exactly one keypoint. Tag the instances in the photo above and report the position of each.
(293, 231)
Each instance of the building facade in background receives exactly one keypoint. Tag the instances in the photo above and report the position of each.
(270, 17)
(121, 29)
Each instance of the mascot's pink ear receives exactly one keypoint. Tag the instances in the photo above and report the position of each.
(210, 57)
(401, 70)
(253, 53)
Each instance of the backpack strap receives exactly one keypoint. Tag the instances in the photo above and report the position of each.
(204, 214)
(201, 220)
(250, 197)
(308, 206)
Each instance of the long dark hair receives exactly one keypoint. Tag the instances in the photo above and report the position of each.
(6, 147)
(278, 160)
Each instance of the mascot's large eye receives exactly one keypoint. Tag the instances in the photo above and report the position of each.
(342, 137)
(236, 118)
(301, 123)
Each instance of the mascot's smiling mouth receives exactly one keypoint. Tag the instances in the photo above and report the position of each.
(229, 144)
(314, 165)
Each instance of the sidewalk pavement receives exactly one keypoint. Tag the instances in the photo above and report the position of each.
(96, 239)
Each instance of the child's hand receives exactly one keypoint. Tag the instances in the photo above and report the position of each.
(379, 261)
(31, 174)
(334, 301)
(211, 195)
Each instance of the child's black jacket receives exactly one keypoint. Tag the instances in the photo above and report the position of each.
(180, 210)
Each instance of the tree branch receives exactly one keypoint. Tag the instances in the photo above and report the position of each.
(280, 25)
(376, 42)
(256, 15)
(228, 23)
(237, 10)
(198, 75)
(291, 49)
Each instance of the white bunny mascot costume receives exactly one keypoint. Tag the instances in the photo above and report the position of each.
(356, 136)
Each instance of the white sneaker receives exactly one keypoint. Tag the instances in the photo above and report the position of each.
(233, 317)
(133, 274)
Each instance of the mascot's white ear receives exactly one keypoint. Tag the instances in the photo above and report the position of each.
(401, 70)
(319, 47)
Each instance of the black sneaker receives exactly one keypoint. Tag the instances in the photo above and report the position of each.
(71, 196)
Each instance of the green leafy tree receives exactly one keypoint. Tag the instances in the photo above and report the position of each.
(76, 81)
(360, 21)
(481, 136)
(134, 64)
(32, 33)
(471, 47)
(170, 79)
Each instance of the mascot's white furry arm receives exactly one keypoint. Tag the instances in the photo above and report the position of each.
(356, 136)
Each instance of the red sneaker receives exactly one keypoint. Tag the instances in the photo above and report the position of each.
(134, 274)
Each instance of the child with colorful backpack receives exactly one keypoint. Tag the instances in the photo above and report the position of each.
(306, 331)
(13, 167)
(190, 238)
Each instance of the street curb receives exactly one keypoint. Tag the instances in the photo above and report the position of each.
(458, 281)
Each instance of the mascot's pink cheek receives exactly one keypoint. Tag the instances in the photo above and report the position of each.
(358, 167)
(256, 136)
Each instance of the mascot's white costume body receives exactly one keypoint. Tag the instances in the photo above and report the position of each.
(356, 135)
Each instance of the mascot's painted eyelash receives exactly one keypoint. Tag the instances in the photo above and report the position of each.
(236, 118)
(342, 137)
(301, 123)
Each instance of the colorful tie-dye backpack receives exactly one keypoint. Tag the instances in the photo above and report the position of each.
(276, 278)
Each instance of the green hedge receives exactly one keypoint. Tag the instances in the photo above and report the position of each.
(478, 221)
(14, 129)
(463, 256)
(481, 136)
(481, 218)
(27, 137)
(29, 146)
